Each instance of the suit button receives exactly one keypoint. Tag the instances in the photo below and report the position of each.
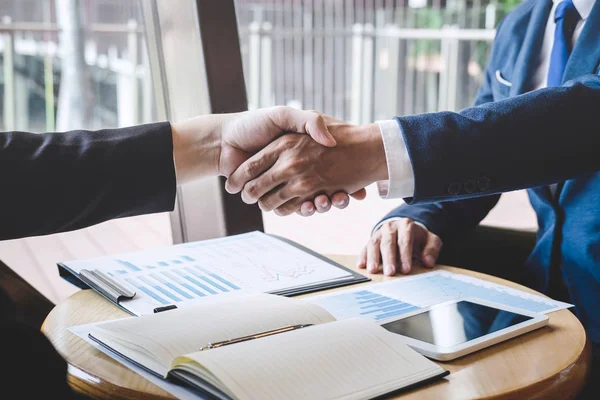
(470, 186)
(454, 188)
(483, 183)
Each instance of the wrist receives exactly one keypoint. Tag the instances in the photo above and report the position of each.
(196, 147)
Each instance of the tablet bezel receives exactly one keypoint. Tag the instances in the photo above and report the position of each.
(442, 353)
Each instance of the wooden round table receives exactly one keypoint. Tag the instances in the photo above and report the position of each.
(546, 363)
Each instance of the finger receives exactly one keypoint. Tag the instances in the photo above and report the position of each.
(373, 256)
(431, 251)
(359, 195)
(361, 261)
(406, 246)
(257, 188)
(252, 168)
(275, 198)
(322, 204)
(293, 120)
(307, 209)
(389, 252)
(289, 207)
(340, 200)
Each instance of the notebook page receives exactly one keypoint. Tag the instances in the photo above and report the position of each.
(169, 334)
(351, 359)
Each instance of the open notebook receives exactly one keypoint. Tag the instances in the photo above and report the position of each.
(321, 359)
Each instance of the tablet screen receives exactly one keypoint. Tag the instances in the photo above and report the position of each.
(455, 323)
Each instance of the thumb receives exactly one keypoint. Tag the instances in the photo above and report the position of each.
(293, 120)
(359, 195)
(431, 251)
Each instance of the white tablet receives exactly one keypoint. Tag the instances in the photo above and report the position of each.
(453, 329)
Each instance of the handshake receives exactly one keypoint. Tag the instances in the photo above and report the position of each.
(284, 159)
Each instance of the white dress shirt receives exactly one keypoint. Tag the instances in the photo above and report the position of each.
(401, 181)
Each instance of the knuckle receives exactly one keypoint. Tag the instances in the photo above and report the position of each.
(306, 185)
(295, 163)
(386, 241)
(281, 110)
(251, 168)
(319, 120)
(251, 189)
(437, 242)
(388, 226)
(287, 141)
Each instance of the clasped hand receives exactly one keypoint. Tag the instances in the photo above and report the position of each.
(291, 172)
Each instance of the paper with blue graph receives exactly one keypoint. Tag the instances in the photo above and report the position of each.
(382, 301)
(186, 273)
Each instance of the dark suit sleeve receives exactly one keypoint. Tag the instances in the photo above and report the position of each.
(534, 139)
(57, 182)
(451, 217)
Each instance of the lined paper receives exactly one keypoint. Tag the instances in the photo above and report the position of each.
(351, 359)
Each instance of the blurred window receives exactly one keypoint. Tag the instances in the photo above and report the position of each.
(73, 64)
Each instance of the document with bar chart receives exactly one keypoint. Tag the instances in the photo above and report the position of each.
(392, 299)
(185, 273)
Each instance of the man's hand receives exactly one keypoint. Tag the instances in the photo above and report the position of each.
(218, 144)
(396, 244)
(323, 203)
(292, 169)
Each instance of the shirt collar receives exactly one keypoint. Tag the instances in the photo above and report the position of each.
(583, 7)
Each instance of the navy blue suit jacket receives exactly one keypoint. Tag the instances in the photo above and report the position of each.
(516, 138)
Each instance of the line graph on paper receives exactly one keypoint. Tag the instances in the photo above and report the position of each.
(258, 258)
(272, 273)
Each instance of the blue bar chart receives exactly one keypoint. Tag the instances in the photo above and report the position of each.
(365, 304)
(177, 283)
(146, 290)
(180, 281)
(129, 265)
(132, 267)
(218, 278)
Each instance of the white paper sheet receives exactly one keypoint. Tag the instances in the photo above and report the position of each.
(190, 272)
(382, 301)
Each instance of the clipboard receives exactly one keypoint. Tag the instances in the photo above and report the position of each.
(105, 285)
(119, 294)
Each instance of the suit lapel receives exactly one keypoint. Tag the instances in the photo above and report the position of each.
(586, 53)
(585, 57)
(530, 49)
(527, 61)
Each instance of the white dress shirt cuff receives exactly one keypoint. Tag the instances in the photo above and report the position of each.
(401, 181)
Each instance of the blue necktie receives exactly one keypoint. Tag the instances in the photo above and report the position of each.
(566, 18)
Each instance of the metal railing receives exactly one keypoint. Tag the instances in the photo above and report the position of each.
(129, 73)
(363, 61)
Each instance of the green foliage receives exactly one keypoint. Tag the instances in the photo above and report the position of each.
(507, 5)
